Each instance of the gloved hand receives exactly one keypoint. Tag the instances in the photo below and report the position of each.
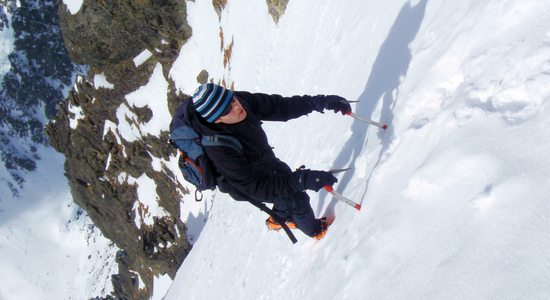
(314, 180)
(334, 103)
(337, 104)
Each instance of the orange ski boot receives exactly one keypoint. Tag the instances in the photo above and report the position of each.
(325, 223)
(273, 225)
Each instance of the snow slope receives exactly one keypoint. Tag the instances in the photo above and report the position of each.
(454, 193)
(49, 249)
(6, 36)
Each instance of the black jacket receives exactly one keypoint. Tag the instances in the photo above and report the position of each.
(256, 173)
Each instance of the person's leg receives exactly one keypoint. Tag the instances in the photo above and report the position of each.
(281, 210)
(296, 208)
(299, 208)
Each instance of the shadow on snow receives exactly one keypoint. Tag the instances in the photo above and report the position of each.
(390, 66)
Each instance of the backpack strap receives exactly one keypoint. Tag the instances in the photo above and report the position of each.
(222, 140)
(270, 212)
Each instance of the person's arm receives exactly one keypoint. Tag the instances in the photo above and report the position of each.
(278, 108)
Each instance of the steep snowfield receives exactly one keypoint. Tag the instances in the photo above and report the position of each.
(49, 249)
(454, 193)
(6, 36)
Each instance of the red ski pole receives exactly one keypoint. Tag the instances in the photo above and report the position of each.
(366, 120)
(336, 195)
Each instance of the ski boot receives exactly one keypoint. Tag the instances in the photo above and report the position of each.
(325, 223)
(273, 225)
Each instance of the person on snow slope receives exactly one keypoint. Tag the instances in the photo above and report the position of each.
(257, 175)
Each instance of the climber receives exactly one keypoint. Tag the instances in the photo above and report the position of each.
(256, 174)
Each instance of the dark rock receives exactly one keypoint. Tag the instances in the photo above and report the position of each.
(107, 35)
(109, 201)
(202, 77)
(219, 5)
(40, 70)
(276, 8)
(108, 32)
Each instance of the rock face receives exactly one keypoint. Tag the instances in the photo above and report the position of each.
(132, 27)
(102, 167)
(276, 8)
(39, 71)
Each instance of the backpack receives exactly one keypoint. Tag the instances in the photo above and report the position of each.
(193, 162)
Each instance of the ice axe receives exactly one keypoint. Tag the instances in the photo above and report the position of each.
(364, 119)
(338, 196)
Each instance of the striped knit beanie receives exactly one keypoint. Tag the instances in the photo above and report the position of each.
(211, 100)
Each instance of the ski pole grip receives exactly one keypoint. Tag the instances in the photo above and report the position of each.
(328, 188)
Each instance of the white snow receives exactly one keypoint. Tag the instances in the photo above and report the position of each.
(153, 96)
(454, 193)
(141, 284)
(113, 128)
(200, 52)
(73, 5)
(142, 57)
(146, 206)
(108, 162)
(100, 81)
(161, 285)
(49, 249)
(156, 163)
(78, 115)
(6, 46)
(127, 123)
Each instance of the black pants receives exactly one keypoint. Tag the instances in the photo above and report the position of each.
(294, 208)
(297, 208)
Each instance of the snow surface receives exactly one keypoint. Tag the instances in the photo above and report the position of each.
(454, 193)
(78, 115)
(152, 95)
(6, 45)
(100, 81)
(73, 5)
(146, 190)
(49, 249)
(142, 57)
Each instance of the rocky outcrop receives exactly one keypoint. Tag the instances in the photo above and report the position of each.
(104, 33)
(103, 168)
(219, 6)
(276, 8)
(39, 71)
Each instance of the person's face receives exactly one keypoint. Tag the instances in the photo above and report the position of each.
(235, 114)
